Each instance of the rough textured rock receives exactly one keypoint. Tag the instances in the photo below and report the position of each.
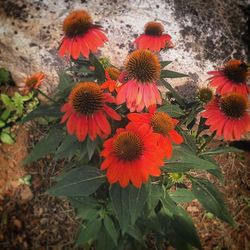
(205, 33)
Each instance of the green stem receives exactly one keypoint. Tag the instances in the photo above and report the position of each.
(209, 140)
(43, 94)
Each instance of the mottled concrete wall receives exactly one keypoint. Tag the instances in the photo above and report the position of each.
(205, 33)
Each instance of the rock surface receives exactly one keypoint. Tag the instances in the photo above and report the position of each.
(205, 34)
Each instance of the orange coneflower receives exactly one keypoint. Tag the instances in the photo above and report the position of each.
(112, 75)
(231, 78)
(85, 111)
(142, 70)
(162, 124)
(228, 116)
(132, 154)
(153, 38)
(81, 35)
(32, 82)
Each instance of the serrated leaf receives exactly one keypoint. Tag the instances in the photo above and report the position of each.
(211, 199)
(182, 195)
(172, 74)
(80, 181)
(110, 228)
(165, 63)
(46, 145)
(43, 110)
(172, 110)
(9, 104)
(221, 150)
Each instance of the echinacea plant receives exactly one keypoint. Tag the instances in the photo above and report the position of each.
(132, 154)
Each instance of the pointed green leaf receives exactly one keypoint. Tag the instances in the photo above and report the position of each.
(177, 97)
(182, 195)
(211, 199)
(99, 70)
(46, 145)
(80, 181)
(165, 63)
(172, 74)
(104, 240)
(43, 110)
(110, 228)
(188, 160)
(89, 233)
(221, 150)
(172, 110)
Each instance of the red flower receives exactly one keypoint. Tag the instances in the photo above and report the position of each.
(142, 71)
(81, 35)
(228, 116)
(112, 75)
(162, 124)
(32, 82)
(132, 154)
(85, 111)
(153, 38)
(230, 78)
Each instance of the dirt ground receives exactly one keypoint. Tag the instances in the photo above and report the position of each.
(29, 219)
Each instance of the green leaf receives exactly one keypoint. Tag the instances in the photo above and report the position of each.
(80, 181)
(43, 110)
(104, 240)
(91, 146)
(172, 74)
(5, 77)
(211, 199)
(137, 199)
(120, 202)
(177, 97)
(47, 145)
(90, 232)
(188, 160)
(110, 228)
(188, 139)
(69, 147)
(128, 203)
(6, 138)
(5, 115)
(165, 63)
(99, 70)
(221, 150)
(182, 195)
(2, 124)
(9, 104)
(135, 232)
(181, 221)
(65, 81)
(172, 110)
(155, 193)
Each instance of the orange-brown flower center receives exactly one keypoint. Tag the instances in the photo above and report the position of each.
(236, 71)
(128, 146)
(234, 105)
(143, 66)
(113, 73)
(205, 94)
(162, 123)
(31, 82)
(77, 23)
(154, 29)
(86, 98)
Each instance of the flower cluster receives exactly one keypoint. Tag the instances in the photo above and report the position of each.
(137, 151)
(227, 114)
